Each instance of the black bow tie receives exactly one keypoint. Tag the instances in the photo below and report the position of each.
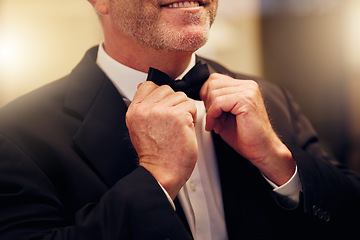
(190, 84)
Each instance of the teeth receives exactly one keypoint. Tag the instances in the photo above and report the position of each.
(184, 4)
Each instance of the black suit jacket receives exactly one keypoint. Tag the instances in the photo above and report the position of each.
(68, 171)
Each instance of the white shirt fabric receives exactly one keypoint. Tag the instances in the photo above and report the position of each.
(200, 197)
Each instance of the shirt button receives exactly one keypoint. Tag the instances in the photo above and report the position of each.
(193, 186)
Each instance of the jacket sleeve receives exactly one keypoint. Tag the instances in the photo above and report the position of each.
(134, 208)
(330, 191)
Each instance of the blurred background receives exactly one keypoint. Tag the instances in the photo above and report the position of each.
(310, 47)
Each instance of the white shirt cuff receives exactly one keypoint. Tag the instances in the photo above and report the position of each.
(168, 196)
(289, 192)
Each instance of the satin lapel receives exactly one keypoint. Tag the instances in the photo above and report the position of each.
(102, 136)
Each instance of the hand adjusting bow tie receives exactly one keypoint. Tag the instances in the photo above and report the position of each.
(190, 84)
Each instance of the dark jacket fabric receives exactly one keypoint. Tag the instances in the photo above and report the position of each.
(68, 171)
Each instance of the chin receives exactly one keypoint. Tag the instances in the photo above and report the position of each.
(192, 44)
(188, 41)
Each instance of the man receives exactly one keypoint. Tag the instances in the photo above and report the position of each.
(79, 161)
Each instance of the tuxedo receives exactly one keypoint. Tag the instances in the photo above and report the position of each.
(68, 170)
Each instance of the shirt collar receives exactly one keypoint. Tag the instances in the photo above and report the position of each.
(125, 78)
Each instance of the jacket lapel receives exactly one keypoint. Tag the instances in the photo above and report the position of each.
(102, 136)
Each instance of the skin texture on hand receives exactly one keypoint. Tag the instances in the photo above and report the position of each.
(236, 111)
(161, 124)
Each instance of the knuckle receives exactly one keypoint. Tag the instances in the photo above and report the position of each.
(166, 88)
(138, 112)
(149, 83)
(252, 84)
(217, 101)
(253, 88)
(215, 75)
(213, 95)
(182, 95)
(129, 112)
(212, 78)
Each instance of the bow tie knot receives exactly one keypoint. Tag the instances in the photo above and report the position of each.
(190, 84)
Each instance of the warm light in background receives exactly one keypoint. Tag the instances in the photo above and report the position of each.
(235, 37)
(15, 54)
(351, 35)
(7, 53)
(43, 40)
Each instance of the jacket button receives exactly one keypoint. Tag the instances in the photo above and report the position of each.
(320, 213)
(327, 216)
(315, 210)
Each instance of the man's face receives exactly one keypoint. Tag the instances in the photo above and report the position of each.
(172, 25)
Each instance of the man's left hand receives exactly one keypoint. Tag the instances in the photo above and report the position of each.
(236, 111)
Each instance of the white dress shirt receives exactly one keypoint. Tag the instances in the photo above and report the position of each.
(200, 197)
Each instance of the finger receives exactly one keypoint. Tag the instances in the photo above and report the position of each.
(218, 81)
(225, 103)
(175, 98)
(218, 123)
(144, 90)
(220, 108)
(190, 108)
(206, 88)
(221, 92)
(159, 94)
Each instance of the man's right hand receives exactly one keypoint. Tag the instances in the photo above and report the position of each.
(161, 124)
